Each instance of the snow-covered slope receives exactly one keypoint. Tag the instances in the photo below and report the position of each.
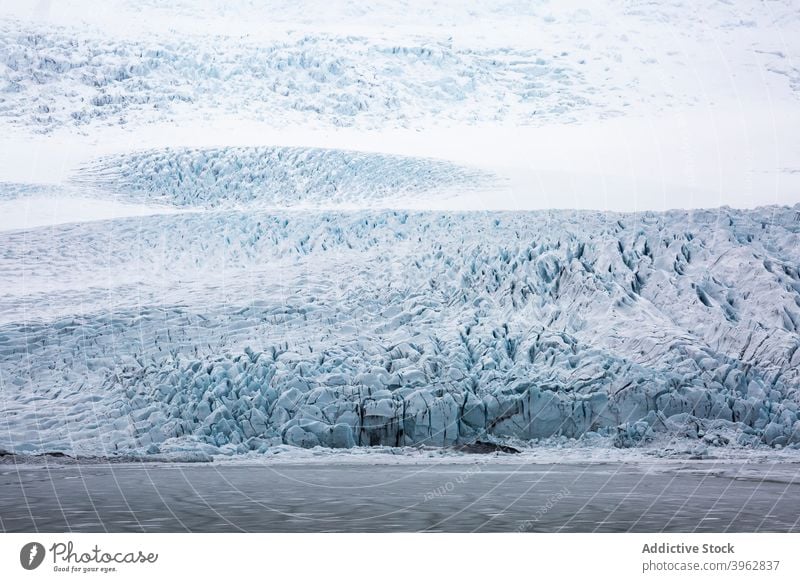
(53, 80)
(396, 64)
(238, 330)
(670, 104)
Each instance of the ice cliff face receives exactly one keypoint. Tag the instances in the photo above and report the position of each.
(239, 330)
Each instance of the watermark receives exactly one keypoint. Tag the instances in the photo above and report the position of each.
(551, 502)
(451, 485)
(31, 555)
(66, 558)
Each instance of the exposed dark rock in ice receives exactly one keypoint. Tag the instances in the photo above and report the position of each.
(484, 448)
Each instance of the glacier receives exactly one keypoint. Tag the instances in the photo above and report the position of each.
(397, 64)
(329, 228)
(228, 331)
(53, 80)
(229, 177)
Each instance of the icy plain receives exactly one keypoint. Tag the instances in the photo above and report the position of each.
(384, 233)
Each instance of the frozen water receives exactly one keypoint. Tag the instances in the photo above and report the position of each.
(235, 331)
(619, 105)
(277, 177)
(295, 287)
(53, 79)
(392, 64)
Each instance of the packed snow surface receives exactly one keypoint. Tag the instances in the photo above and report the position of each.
(35, 205)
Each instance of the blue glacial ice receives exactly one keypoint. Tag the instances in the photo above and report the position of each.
(235, 331)
(235, 177)
(64, 78)
(290, 297)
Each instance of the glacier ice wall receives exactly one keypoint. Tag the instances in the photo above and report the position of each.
(238, 331)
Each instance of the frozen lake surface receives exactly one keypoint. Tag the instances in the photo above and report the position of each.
(455, 497)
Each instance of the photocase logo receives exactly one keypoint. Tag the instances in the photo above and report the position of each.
(31, 555)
